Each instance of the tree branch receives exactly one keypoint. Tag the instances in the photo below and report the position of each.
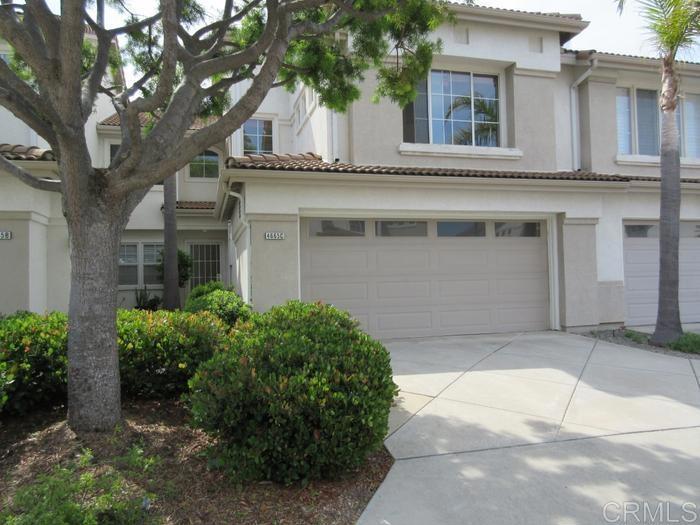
(28, 178)
(99, 68)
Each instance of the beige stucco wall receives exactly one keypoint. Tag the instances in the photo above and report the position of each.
(14, 270)
(590, 217)
(578, 275)
(597, 102)
(274, 264)
(531, 120)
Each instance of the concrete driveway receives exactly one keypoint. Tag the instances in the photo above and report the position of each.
(540, 428)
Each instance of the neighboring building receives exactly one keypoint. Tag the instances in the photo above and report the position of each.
(518, 192)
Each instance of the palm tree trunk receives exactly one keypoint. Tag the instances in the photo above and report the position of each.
(668, 321)
(171, 284)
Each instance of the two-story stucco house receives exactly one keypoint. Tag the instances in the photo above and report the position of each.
(518, 192)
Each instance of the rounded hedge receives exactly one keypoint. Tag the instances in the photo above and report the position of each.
(302, 394)
(203, 289)
(224, 304)
(158, 353)
(32, 360)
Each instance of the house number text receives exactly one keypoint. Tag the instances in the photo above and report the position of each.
(275, 236)
(5, 236)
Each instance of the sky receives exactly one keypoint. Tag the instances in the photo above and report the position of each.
(608, 31)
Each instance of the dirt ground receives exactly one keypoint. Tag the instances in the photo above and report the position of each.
(187, 490)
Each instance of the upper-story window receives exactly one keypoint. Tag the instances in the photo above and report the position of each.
(639, 128)
(454, 108)
(257, 136)
(205, 165)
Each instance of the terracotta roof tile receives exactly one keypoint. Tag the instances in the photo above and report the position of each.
(311, 162)
(145, 119)
(19, 152)
(195, 205)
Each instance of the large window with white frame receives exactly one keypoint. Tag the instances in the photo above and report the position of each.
(257, 136)
(454, 107)
(139, 264)
(639, 122)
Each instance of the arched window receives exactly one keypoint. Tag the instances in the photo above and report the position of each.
(205, 165)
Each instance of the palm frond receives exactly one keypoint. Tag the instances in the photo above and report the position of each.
(675, 24)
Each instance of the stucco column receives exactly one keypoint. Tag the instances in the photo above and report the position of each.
(578, 272)
(274, 268)
(23, 262)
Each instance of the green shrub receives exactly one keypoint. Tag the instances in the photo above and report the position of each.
(158, 351)
(688, 342)
(32, 360)
(204, 289)
(224, 304)
(302, 394)
(637, 337)
(77, 495)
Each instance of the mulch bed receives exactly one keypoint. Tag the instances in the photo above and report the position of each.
(617, 336)
(187, 490)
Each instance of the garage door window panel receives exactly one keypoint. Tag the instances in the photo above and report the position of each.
(461, 229)
(690, 230)
(336, 228)
(518, 229)
(402, 228)
(641, 231)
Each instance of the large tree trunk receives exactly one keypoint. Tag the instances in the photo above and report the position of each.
(94, 402)
(668, 321)
(171, 277)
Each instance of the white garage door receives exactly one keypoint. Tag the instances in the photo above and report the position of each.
(642, 273)
(412, 278)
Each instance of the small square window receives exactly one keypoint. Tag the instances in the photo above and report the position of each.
(402, 228)
(336, 228)
(205, 166)
(641, 231)
(517, 229)
(461, 229)
(690, 229)
(257, 136)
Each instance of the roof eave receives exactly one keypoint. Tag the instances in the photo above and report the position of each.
(519, 19)
(232, 175)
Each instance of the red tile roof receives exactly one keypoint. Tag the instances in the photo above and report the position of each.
(20, 152)
(146, 118)
(195, 205)
(311, 162)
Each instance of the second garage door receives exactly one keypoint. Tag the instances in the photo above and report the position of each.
(642, 273)
(412, 278)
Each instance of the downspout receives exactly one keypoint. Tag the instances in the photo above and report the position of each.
(575, 120)
(233, 252)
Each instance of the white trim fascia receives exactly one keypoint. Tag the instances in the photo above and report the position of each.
(653, 161)
(645, 186)
(355, 213)
(524, 72)
(37, 166)
(427, 181)
(451, 150)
